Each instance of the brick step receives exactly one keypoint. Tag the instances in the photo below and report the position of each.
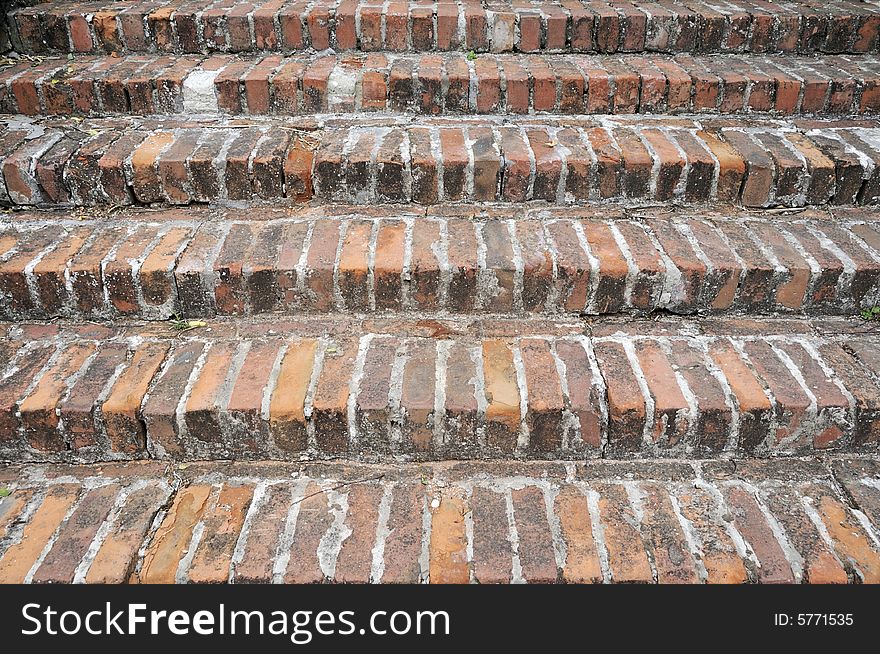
(451, 83)
(558, 160)
(430, 389)
(809, 521)
(452, 261)
(834, 26)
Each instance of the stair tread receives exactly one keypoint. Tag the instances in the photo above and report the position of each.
(416, 388)
(559, 160)
(830, 26)
(503, 522)
(454, 260)
(448, 83)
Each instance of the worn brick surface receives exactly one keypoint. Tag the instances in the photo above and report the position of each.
(756, 163)
(442, 264)
(502, 522)
(298, 85)
(501, 27)
(370, 387)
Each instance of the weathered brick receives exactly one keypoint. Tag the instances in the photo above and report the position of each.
(753, 405)
(39, 411)
(243, 416)
(121, 409)
(502, 394)
(73, 540)
(671, 411)
(626, 405)
(172, 539)
(582, 557)
(448, 546)
(417, 396)
(222, 524)
(546, 403)
(20, 557)
(13, 387)
(201, 413)
(536, 552)
(314, 518)
(403, 545)
(719, 556)
(753, 525)
(493, 558)
(627, 557)
(664, 536)
(821, 566)
(852, 544)
(266, 528)
(330, 401)
(355, 561)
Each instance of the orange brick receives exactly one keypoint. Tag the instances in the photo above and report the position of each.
(582, 558)
(21, 556)
(222, 526)
(502, 394)
(850, 540)
(719, 556)
(448, 548)
(286, 409)
(626, 551)
(116, 557)
(146, 183)
(39, 410)
(122, 408)
(173, 537)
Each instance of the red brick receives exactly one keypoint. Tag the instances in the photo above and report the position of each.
(503, 396)
(671, 412)
(287, 420)
(626, 405)
(355, 560)
(417, 398)
(39, 416)
(221, 525)
(73, 540)
(448, 546)
(330, 401)
(313, 520)
(545, 401)
(626, 552)
(753, 525)
(121, 409)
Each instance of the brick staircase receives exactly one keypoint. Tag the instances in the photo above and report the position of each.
(388, 236)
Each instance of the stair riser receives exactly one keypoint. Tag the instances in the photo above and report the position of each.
(458, 266)
(596, 27)
(679, 160)
(447, 84)
(206, 396)
(5, 43)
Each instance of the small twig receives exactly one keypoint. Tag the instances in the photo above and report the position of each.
(341, 485)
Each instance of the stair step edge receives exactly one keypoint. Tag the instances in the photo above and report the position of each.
(425, 390)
